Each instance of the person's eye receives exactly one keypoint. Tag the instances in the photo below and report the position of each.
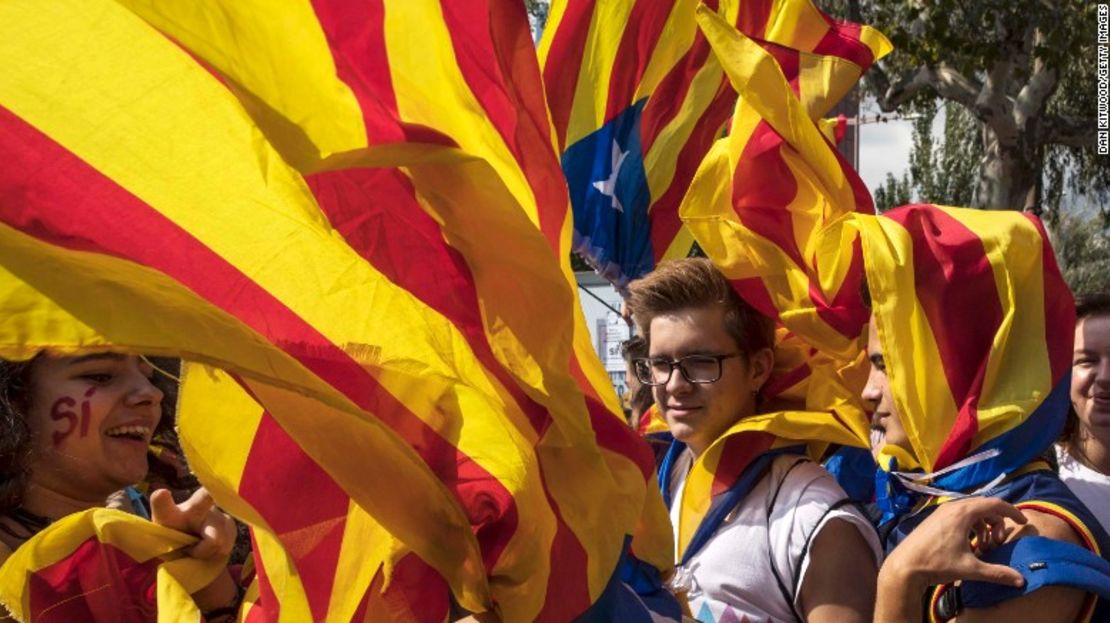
(100, 378)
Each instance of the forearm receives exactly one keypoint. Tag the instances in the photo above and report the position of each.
(898, 596)
(223, 592)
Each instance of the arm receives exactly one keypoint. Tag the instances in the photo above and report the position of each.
(937, 553)
(830, 593)
(1050, 604)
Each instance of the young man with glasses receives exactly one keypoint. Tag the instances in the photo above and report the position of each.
(761, 532)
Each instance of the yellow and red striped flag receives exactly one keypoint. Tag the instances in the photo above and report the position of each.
(105, 566)
(784, 182)
(427, 373)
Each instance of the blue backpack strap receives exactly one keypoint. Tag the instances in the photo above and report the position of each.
(1042, 562)
(138, 501)
(666, 466)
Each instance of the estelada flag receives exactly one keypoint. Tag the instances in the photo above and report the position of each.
(104, 566)
(147, 209)
(637, 99)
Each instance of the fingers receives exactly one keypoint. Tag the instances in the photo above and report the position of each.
(995, 574)
(164, 512)
(992, 510)
(196, 508)
(217, 537)
(198, 516)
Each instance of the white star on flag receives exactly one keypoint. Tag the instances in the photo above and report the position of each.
(609, 187)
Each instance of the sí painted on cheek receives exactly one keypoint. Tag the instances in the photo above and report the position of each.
(61, 411)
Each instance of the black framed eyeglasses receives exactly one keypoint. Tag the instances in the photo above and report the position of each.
(699, 369)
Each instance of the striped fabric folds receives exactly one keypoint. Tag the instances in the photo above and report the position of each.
(967, 382)
(716, 472)
(637, 99)
(104, 566)
(305, 199)
(783, 182)
(312, 537)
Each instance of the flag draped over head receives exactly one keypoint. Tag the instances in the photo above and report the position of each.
(976, 324)
(106, 566)
(764, 193)
(637, 99)
(194, 182)
(757, 206)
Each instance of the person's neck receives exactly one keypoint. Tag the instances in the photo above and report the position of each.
(53, 504)
(1093, 452)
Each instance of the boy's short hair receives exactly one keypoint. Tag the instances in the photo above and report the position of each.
(695, 282)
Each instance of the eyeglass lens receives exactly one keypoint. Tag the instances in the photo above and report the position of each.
(694, 368)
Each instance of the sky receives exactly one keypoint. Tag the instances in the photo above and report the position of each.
(885, 147)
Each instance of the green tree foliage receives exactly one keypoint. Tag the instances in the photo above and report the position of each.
(537, 14)
(894, 192)
(945, 173)
(1023, 71)
(941, 172)
(1082, 248)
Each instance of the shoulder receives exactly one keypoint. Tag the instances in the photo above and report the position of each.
(795, 481)
(809, 502)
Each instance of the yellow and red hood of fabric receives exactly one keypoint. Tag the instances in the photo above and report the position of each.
(975, 323)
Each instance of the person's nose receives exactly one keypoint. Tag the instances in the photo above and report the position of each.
(143, 391)
(872, 391)
(678, 384)
(1102, 372)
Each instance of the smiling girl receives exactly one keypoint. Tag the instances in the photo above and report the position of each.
(73, 432)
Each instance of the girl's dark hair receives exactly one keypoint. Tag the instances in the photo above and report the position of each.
(15, 436)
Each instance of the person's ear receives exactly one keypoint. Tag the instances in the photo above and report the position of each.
(760, 365)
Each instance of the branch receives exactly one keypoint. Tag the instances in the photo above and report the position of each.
(1041, 85)
(992, 106)
(1068, 130)
(949, 83)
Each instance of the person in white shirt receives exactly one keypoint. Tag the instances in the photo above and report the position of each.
(786, 546)
(1084, 450)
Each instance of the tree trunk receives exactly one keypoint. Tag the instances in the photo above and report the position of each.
(1009, 174)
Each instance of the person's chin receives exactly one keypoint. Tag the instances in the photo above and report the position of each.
(681, 431)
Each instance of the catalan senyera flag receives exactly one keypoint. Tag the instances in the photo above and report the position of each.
(104, 565)
(313, 537)
(783, 182)
(975, 325)
(429, 375)
(637, 99)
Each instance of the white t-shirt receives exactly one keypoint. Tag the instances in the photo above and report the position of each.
(1091, 487)
(730, 578)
